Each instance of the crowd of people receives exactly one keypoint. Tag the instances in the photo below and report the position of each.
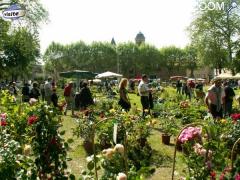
(218, 98)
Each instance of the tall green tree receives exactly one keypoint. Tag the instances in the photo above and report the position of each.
(21, 49)
(128, 58)
(35, 13)
(103, 57)
(215, 33)
(150, 59)
(173, 58)
(55, 58)
(191, 59)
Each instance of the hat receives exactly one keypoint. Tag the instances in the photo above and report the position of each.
(70, 82)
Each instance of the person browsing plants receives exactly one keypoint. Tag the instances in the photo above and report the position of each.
(215, 99)
(124, 101)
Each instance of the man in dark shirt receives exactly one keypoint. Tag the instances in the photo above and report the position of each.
(25, 93)
(229, 95)
(179, 86)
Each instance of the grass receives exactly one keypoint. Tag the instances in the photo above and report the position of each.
(162, 157)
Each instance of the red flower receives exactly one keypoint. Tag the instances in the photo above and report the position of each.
(32, 119)
(3, 123)
(235, 116)
(213, 175)
(3, 118)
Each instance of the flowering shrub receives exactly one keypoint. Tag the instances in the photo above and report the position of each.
(189, 134)
(49, 148)
(13, 164)
(31, 145)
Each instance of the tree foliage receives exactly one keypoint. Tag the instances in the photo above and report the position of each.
(215, 33)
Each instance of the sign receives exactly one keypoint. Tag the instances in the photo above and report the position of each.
(14, 12)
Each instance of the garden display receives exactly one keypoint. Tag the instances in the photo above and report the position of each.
(118, 144)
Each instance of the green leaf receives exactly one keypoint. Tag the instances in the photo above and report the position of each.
(90, 165)
(70, 140)
(62, 133)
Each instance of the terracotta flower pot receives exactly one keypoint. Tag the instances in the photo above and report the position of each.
(166, 139)
(88, 146)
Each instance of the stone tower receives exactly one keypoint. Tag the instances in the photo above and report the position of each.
(139, 39)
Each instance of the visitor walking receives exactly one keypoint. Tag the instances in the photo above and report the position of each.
(179, 86)
(124, 101)
(54, 97)
(42, 91)
(215, 99)
(85, 96)
(143, 91)
(25, 93)
(69, 97)
(35, 91)
(229, 95)
(48, 90)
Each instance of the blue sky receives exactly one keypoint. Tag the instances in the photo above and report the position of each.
(163, 22)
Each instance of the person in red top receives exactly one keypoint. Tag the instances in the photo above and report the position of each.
(69, 97)
(191, 86)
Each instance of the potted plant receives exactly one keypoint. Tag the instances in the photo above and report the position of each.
(168, 128)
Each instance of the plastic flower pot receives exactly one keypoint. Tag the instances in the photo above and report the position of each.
(166, 139)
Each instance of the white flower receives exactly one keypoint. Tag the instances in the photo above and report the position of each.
(89, 158)
(121, 176)
(119, 148)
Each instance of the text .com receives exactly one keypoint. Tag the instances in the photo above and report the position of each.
(222, 6)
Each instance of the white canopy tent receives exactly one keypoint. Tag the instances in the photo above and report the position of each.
(224, 76)
(237, 76)
(108, 74)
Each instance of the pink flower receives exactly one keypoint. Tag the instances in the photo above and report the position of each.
(237, 177)
(3, 116)
(222, 177)
(189, 134)
(32, 119)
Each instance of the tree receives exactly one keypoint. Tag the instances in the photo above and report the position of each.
(191, 61)
(128, 57)
(35, 13)
(54, 57)
(150, 59)
(173, 59)
(20, 50)
(103, 57)
(215, 32)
